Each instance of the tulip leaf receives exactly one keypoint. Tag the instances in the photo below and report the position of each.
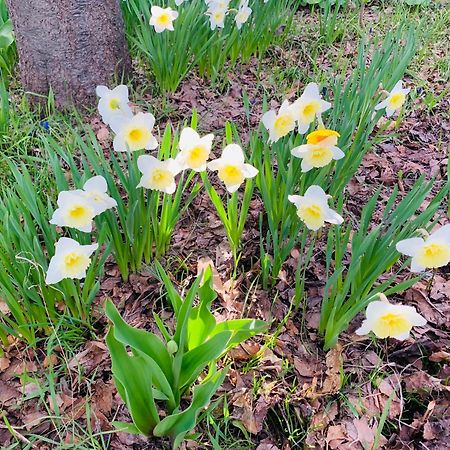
(242, 329)
(177, 425)
(132, 375)
(201, 320)
(196, 360)
(141, 340)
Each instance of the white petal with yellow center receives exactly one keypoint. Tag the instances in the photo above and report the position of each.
(231, 167)
(279, 124)
(74, 210)
(313, 209)
(71, 260)
(113, 103)
(194, 150)
(158, 175)
(394, 100)
(388, 320)
(308, 107)
(95, 190)
(430, 253)
(134, 133)
(162, 18)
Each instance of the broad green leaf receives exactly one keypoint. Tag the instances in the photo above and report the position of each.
(134, 375)
(141, 340)
(201, 320)
(177, 425)
(194, 361)
(242, 330)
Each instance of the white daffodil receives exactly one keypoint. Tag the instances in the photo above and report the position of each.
(231, 167)
(309, 106)
(313, 209)
(95, 190)
(429, 253)
(113, 102)
(319, 150)
(158, 175)
(243, 14)
(388, 320)
(195, 150)
(71, 260)
(162, 18)
(395, 99)
(281, 123)
(134, 133)
(216, 17)
(179, 2)
(75, 210)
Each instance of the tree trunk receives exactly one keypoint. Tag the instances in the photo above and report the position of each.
(70, 46)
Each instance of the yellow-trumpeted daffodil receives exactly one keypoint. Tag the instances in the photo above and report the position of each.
(395, 99)
(308, 107)
(194, 150)
(162, 18)
(158, 175)
(320, 149)
(313, 209)
(281, 123)
(385, 319)
(429, 253)
(75, 210)
(231, 167)
(71, 260)
(113, 103)
(134, 133)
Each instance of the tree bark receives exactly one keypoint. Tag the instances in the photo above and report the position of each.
(70, 46)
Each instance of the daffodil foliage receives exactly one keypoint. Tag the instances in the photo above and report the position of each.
(375, 250)
(34, 302)
(181, 363)
(178, 36)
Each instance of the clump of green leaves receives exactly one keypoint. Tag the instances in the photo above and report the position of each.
(141, 228)
(352, 115)
(181, 363)
(26, 244)
(172, 55)
(351, 287)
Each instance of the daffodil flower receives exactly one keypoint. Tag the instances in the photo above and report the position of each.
(217, 17)
(113, 103)
(388, 320)
(134, 133)
(309, 106)
(71, 260)
(243, 14)
(313, 209)
(395, 99)
(162, 18)
(319, 150)
(231, 167)
(158, 175)
(281, 123)
(75, 210)
(95, 190)
(195, 150)
(429, 253)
